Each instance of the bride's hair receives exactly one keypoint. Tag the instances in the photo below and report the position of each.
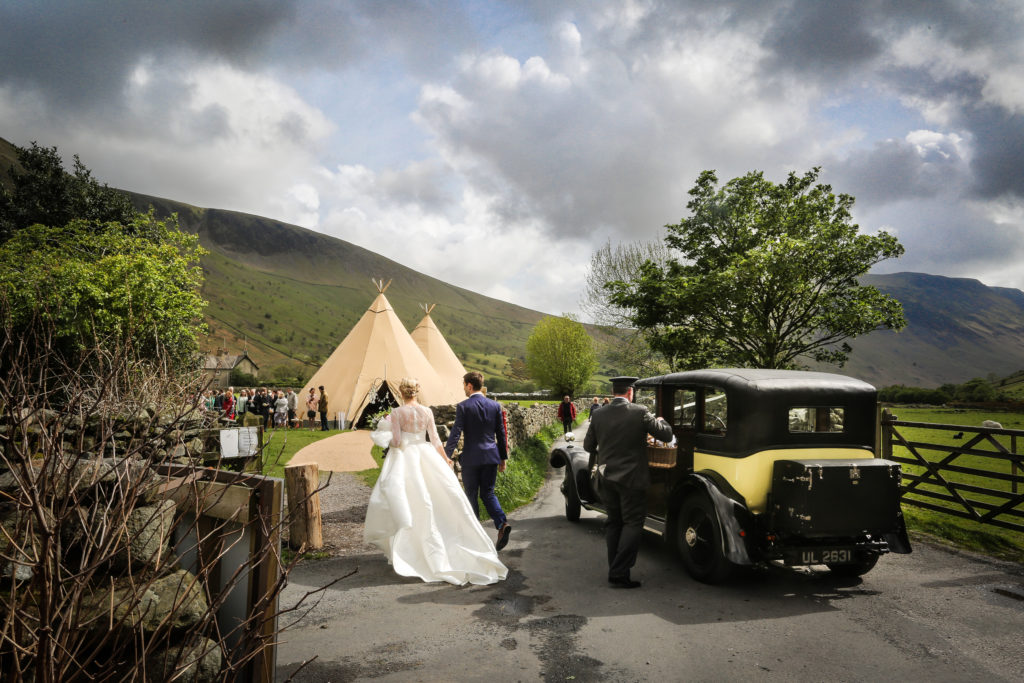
(409, 387)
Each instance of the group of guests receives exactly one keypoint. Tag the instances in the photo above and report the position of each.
(275, 407)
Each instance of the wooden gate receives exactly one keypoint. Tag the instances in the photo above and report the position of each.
(969, 472)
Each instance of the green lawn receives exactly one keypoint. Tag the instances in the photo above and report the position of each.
(1003, 543)
(279, 445)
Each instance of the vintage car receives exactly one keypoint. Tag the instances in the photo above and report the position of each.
(767, 465)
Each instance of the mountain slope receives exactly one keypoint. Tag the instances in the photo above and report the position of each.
(957, 329)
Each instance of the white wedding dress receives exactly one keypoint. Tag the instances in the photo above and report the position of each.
(418, 514)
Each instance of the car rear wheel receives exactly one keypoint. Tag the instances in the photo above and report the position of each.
(698, 540)
(859, 568)
(572, 497)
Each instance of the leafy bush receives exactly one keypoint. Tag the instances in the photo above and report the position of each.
(136, 284)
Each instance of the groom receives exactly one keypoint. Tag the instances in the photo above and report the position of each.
(484, 451)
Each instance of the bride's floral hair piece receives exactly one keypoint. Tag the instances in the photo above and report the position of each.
(409, 387)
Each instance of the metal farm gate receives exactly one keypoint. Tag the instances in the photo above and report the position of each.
(974, 473)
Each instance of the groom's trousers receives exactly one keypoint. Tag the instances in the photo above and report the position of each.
(479, 480)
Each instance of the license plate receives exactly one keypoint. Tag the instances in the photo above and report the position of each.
(820, 556)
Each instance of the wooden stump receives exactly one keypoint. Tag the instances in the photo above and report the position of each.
(304, 528)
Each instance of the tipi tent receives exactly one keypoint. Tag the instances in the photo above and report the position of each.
(371, 361)
(436, 349)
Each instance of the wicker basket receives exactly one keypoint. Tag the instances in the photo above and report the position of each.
(661, 456)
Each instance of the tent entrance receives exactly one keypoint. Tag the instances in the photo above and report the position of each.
(380, 402)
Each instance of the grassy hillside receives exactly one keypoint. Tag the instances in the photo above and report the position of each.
(1012, 385)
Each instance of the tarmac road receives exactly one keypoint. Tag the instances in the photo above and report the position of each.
(934, 615)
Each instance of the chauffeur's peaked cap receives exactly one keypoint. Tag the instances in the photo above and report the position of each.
(620, 384)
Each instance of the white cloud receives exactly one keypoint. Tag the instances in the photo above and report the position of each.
(930, 143)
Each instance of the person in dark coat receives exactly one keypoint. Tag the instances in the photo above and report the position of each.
(322, 406)
(617, 436)
(567, 414)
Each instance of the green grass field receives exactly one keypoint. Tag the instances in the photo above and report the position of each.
(1002, 543)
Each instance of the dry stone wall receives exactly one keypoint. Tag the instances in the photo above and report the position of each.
(89, 495)
(523, 422)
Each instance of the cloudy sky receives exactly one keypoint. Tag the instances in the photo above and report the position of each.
(496, 145)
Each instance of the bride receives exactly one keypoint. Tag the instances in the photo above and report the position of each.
(418, 514)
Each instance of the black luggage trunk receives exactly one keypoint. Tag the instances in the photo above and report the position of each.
(835, 498)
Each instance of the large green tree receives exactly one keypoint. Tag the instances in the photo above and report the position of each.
(560, 354)
(41, 191)
(765, 275)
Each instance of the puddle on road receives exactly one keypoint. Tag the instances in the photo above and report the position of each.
(511, 608)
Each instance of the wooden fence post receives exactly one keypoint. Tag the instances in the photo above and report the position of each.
(304, 525)
(885, 434)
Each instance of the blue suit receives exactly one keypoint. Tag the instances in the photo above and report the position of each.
(479, 421)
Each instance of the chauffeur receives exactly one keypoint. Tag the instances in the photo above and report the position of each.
(618, 434)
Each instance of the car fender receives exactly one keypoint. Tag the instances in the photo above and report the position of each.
(730, 508)
(898, 540)
(577, 462)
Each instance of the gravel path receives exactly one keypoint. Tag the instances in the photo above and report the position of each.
(343, 503)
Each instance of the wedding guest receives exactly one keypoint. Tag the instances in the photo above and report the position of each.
(268, 407)
(281, 410)
(311, 404)
(322, 407)
(567, 414)
(241, 403)
(293, 406)
(227, 404)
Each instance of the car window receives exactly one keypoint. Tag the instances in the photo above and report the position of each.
(815, 419)
(645, 396)
(684, 407)
(716, 411)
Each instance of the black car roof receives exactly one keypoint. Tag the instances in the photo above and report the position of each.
(760, 380)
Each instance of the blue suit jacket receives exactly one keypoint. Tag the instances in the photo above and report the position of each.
(479, 419)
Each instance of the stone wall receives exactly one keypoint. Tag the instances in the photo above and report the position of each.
(523, 422)
(108, 510)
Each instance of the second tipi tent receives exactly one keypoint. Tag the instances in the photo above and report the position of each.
(433, 345)
(371, 362)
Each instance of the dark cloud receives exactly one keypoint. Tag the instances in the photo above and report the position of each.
(80, 54)
(821, 38)
(998, 161)
(947, 236)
